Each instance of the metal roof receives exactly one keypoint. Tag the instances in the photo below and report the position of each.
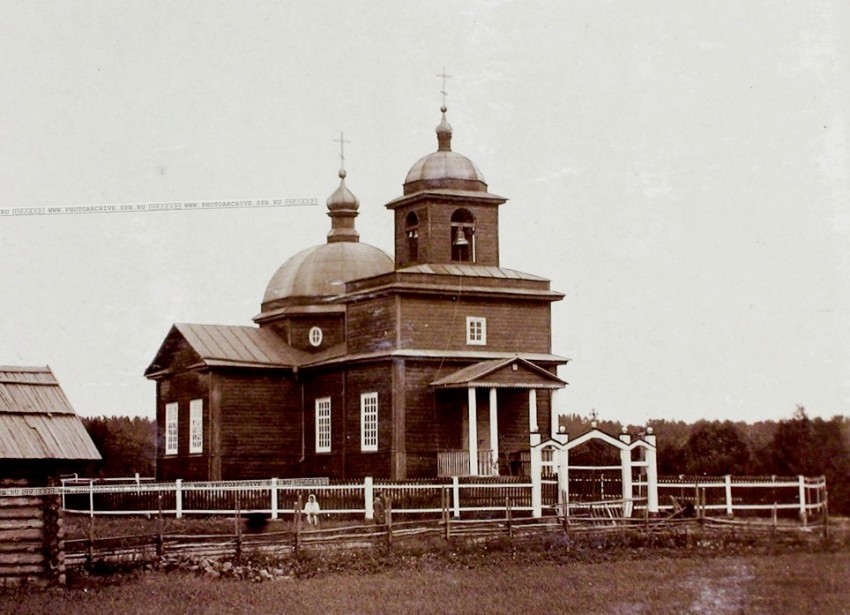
(37, 420)
(479, 271)
(323, 270)
(244, 345)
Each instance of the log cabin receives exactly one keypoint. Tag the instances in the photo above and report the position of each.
(435, 361)
(41, 437)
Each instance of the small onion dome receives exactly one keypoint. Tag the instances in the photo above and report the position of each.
(342, 208)
(323, 270)
(444, 169)
(342, 199)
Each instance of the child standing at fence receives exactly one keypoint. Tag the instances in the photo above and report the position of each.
(312, 510)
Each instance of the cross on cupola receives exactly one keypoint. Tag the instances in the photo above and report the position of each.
(443, 91)
(342, 141)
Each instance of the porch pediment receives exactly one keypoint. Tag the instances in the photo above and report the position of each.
(513, 372)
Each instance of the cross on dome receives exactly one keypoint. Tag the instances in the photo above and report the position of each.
(443, 91)
(342, 141)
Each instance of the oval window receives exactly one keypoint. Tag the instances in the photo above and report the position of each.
(316, 336)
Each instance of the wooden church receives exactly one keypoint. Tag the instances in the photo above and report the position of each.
(437, 362)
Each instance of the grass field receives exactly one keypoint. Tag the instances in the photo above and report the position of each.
(781, 583)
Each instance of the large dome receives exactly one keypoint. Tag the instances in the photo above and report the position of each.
(323, 270)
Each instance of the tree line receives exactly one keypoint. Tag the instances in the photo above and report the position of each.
(789, 447)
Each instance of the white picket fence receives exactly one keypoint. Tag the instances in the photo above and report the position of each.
(277, 497)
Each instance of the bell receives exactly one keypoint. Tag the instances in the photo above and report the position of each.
(460, 238)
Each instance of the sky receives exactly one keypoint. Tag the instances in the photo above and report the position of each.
(679, 170)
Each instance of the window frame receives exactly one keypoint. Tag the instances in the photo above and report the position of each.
(323, 424)
(172, 428)
(316, 336)
(369, 422)
(476, 331)
(196, 426)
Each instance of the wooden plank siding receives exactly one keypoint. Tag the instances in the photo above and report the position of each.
(316, 386)
(360, 379)
(261, 431)
(181, 388)
(372, 325)
(333, 331)
(512, 326)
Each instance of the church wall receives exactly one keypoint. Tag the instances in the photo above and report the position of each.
(332, 332)
(181, 387)
(433, 419)
(371, 378)
(318, 385)
(372, 325)
(260, 425)
(512, 326)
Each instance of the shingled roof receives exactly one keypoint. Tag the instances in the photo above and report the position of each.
(37, 420)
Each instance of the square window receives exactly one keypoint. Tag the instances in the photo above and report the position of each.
(196, 426)
(369, 422)
(476, 331)
(323, 425)
(171, 428)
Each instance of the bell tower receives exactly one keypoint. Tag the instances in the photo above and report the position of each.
(446, 216)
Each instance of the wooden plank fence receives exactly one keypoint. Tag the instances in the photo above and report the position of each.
(598, 519)
(798, 496)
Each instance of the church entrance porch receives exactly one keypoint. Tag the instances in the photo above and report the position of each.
(500, 404)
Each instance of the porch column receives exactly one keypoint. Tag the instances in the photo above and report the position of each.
(532, 411)
(473, 432)
(553, 412)
(494, 433)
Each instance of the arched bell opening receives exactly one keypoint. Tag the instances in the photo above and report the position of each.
(463, 236)
(411, 231)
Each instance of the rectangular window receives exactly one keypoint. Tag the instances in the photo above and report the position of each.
(323, 425)
(476, 331)
(196, 426)
(171, 429)
(369, 422)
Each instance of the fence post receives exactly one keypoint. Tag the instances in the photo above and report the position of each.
(274, 499)
(650, 455)
(729, 511)
(91, 540)
(536, 482)
(297, 520)
(369, 497)
(802, 492)
(91, 498)
(237, 519)
(456, 496)
(446, 515)
(178, 498)
(825, 513)
(509, 516)
(160, 542)
(389, 516)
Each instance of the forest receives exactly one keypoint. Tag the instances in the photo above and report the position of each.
(788, 447)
